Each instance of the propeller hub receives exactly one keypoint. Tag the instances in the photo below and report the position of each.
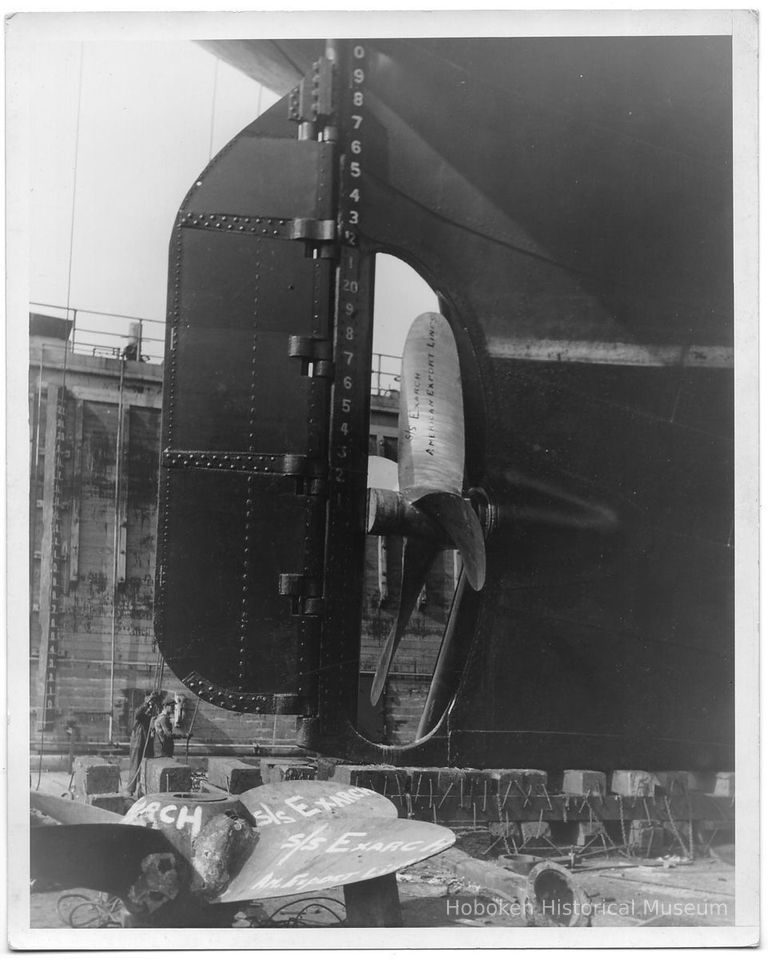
(487, 510)
(391, 514)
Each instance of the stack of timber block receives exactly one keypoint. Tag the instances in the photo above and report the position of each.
(644, 810)
(237, 775)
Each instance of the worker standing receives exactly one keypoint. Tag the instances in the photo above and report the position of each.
(164, 728)
(142, 738)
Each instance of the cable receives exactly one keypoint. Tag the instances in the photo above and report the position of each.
(159, 670)
(69, 288)
(317, 905)
(310, 902)
(80, 911)
(213, 106)
(40, 763)
(74, 198)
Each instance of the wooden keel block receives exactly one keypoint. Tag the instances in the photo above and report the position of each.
(95, 776)
(701, 782)
(633, 782)
(166, 776)
(586, 833)
(534, 830)
(519, 783)
(233, 775)
(725, 785)
(526, 777)
(510, 830)
(353, 775)
(673, 782)
(584, 782)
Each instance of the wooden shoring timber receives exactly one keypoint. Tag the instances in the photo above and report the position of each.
(472, 796)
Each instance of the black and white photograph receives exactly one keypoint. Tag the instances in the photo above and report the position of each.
(382, 479)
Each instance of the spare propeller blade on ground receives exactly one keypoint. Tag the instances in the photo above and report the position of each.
(182, 851)
(332, 852)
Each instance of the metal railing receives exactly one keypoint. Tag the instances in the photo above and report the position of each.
(385, 374)
(123, 335)
(134, 337)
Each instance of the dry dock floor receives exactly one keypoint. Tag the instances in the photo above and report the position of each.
(619, 892)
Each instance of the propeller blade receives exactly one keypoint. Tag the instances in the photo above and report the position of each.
(382, 473)
(104, 856)
(418, 556)
(431, 420)
(275, 804)
(297, 858)
(460, 522)
(69, 812)
(452, 656)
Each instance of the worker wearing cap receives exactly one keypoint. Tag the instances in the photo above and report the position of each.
(141, 746)
(164, 728)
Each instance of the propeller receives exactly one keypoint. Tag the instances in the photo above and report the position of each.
(428, 506)
(325, 852)
(184, 850)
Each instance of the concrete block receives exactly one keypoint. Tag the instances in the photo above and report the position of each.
(673, 782)
(234, 775)
(510, 830)
(165, 775)
(534, 830)
(94, 775)
(633, 782)
(701, 782)
(584, 782)
(114, 802)
(725, 785)
(586, 834)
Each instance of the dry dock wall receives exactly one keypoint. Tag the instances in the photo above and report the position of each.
(94, 455)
